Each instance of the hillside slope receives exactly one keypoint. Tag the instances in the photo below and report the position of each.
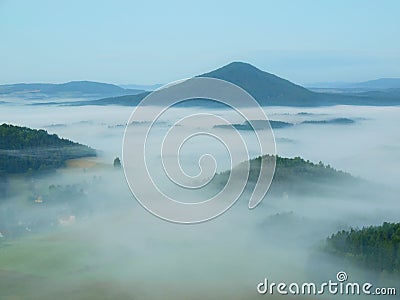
(296, 177)
(23, 149)
(266, 88)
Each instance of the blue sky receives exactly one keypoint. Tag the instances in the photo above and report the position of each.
(147, 42)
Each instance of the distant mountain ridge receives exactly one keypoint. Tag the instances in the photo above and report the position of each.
(270, 90)
(146, 87)
(376, 84)
(266, 88)
(69, 89)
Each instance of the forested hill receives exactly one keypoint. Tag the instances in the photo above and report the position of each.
(376, 247)
(296, 176)
(23, 149)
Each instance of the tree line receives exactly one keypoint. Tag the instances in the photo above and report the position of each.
(375, 247)
(23, 150)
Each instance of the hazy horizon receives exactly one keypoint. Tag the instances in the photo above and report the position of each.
(121, 42)
(143, 85)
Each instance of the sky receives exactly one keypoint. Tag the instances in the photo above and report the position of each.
(148, 42)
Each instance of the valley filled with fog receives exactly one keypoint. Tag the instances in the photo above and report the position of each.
(114, 248)
(366, 148)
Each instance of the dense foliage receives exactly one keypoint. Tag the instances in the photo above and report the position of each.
(376, 247)
(23, 149)
(295, 175)
(292, 168)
